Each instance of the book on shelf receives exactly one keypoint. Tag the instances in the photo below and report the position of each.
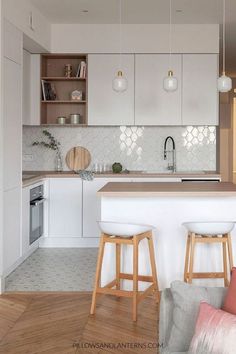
(82, 70)
(48, 91)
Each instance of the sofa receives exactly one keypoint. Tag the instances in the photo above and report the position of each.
(169, 313)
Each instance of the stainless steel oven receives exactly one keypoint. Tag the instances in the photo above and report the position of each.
(36, 213)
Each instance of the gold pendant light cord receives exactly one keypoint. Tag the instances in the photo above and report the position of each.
(170, 35)
(120, 30)
(223, 37)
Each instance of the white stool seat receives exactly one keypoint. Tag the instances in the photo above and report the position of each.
(123, 229)
(209, 228)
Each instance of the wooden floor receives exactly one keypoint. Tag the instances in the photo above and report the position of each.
(59, 323)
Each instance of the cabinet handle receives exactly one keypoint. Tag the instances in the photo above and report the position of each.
(37, 202)
(31, 21)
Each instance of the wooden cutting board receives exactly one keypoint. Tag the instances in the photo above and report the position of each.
(78, 158)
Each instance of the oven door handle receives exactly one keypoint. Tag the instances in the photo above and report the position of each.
(37, 202)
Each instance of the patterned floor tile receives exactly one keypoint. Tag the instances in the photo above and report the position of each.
(55, 269)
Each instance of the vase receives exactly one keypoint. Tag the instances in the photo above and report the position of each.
(58, 162)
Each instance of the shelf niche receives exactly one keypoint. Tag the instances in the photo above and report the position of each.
(53, 70)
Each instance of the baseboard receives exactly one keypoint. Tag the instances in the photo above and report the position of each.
(68, 242)
(31, 250)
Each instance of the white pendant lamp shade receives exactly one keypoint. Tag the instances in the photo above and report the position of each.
(224, 83)
(120, 83)
(170, 83)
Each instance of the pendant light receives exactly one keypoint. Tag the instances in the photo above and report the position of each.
(170, 83)
(224, 82)
(120, 83)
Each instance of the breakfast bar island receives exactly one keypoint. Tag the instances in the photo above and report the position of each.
(166, 206)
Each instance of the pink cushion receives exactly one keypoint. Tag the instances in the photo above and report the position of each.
(230, 299)
(215, 332)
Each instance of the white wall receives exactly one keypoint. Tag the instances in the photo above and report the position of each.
(18, 12)
(135, 38)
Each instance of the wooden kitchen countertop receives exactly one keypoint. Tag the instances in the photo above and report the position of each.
(30, 177)
(168, 189)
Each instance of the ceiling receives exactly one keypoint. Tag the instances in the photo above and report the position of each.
(145, 12)
(134, 11)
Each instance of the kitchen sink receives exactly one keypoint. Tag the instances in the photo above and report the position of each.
(176, 173)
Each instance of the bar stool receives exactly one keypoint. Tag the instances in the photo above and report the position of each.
(208, 232)
(125, 234)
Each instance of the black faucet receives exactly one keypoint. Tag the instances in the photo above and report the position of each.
(171, 167)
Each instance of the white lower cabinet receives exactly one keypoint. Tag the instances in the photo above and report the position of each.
(92, 204)
(73, 209)
(65, 207)
(11, 228)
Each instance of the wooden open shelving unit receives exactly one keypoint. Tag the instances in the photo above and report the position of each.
(52, 70)
(53, 78)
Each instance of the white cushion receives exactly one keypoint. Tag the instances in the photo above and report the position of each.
(209, 228)
(123, 229)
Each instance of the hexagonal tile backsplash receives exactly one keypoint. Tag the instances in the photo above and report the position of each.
(137, 148)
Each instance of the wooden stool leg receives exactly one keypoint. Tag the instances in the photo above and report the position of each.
(135, 278)
(186, 266)
(118, 246)
(226, 282)
(230, 252)
(192, 249)
(153, 267)
(98, 273)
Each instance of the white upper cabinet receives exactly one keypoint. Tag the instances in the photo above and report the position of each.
(35, 89)
(13, 42)
(25, 16)
(105, 106)
(153, 105)
(12, 139)
(31, 89)
(26, 88)
(200, 95)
